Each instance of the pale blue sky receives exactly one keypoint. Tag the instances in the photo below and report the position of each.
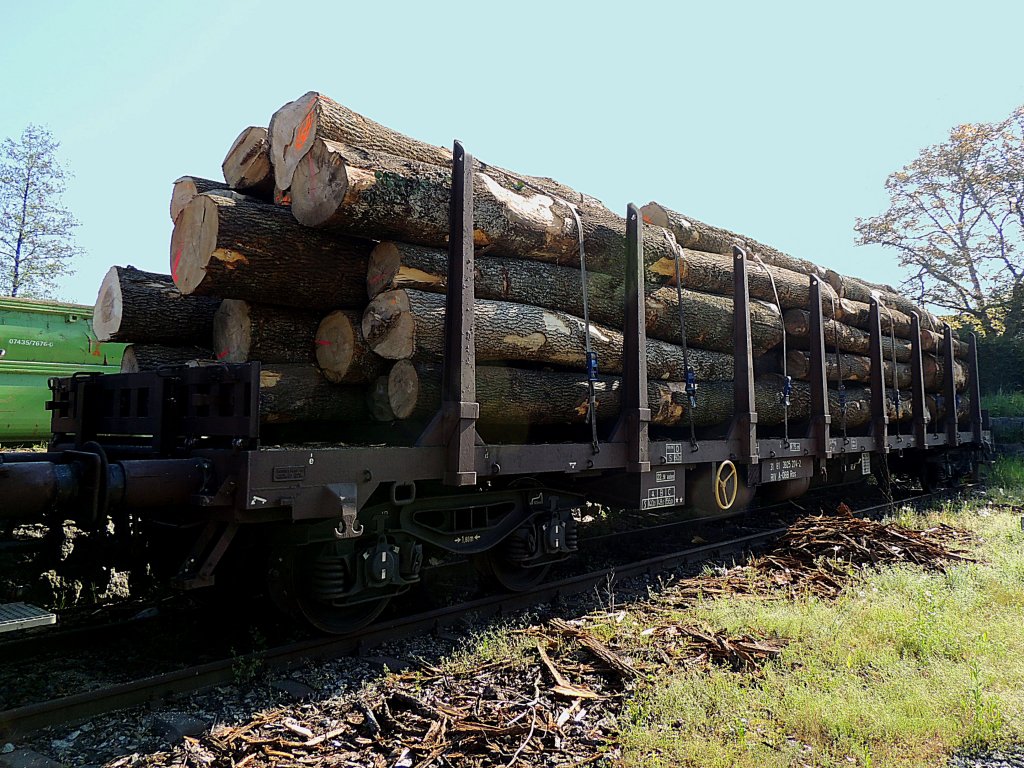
(780, 121)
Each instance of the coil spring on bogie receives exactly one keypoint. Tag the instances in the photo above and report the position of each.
(572, 535)
(522, 544)
(330, 578)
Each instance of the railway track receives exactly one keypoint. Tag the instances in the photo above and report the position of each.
(25, 719)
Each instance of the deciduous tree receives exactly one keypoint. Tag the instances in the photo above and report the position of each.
(956, 219)
(36, 231)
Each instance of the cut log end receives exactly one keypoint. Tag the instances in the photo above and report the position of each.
(319, 184)
(193, 242)
(187, 187)
(655, 213)
(403, 389)
(232, 331)
(247, 166)
(389, 326)
(106, 318)
(335, 345)
(292, 130)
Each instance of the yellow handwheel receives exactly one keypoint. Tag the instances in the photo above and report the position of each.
(727, 484)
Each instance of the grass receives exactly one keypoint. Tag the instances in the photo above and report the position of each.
(1004, 403)
(906, 668)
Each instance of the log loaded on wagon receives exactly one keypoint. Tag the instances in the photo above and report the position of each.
(396, 350)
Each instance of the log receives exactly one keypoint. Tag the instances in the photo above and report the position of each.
(695, 234)
(149, 357)
(372, 194)
(341, 351)
(145, 307)
(858, 368)
(187, 187)
(713, 273)
(406, 323)
(845, 337)
(242, 249)
(296, 125)
(299, 392)
(247, 167)
(538, 398)
(709, 320)
(244, 331)
(857, 314)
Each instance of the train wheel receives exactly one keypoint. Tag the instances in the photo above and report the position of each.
(497, 570)
(313, 582)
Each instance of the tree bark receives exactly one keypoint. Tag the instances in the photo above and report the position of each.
(242, 249)
(341, 351)
(243, 331)
(299, 392)
(149, 357)
(187, 187)
(403, 324)
(517, 396)
(709, 317)
(145, 307)
(858, 290)
(247, 165)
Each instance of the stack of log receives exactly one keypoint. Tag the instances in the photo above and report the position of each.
(323, 255)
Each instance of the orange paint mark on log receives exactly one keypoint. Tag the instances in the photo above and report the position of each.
(324, 342)
(302, 133)
(224, 354)
(177, 263)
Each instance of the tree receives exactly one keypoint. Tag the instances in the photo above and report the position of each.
(956, 218)
(36, 230)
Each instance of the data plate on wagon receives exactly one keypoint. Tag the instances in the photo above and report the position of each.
(777, 470)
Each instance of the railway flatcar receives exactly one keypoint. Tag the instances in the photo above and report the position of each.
(173, 463)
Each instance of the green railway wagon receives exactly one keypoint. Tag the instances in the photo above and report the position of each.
(39, 340)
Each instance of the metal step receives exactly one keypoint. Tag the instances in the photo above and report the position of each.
(15, 616)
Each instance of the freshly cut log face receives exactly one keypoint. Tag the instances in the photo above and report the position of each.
(523, 333)
(145, 307)
(341, 351)
(247, 165)
(300, 393)
(149, 357)
(187, 187)
(243, 249)
(709, 320)
(537, 398)
(244, 331)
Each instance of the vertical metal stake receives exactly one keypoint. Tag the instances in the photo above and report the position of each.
(744, 424)
(820, 431)
(879, 407)
(975, 388)
(917, 399)
(949, 387)
(635, 420)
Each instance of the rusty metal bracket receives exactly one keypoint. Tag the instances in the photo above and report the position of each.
(917, 399)
(743, 430)
(634, 421)
(454, 426)
(820, 429)
(879, 408)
